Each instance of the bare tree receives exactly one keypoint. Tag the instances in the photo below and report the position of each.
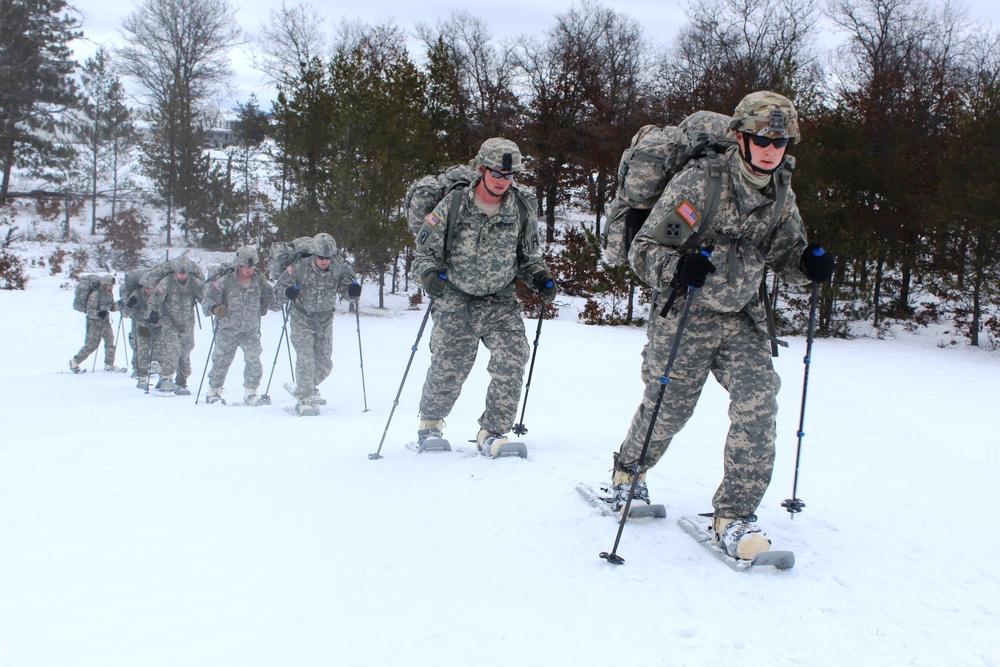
(177, 50)
(289, 39)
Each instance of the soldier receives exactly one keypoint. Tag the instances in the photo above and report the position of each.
(171, 305)
(143, 333)
(238, 300)
(312, 285)
(470, 266)
(725, 333)
(100, 303)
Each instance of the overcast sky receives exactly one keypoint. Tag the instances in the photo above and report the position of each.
(661, 20)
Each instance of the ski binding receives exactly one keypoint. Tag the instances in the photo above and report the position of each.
(700, 528)
(636, 511)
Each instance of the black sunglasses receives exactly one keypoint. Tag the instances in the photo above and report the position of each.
(500, 174)
(763, 142)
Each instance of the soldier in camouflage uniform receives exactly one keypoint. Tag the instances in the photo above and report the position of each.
(312, 285)
(172, 306)
(100, 303)
(470, 266)
(238, 300)
(143, 333)
(725, 333)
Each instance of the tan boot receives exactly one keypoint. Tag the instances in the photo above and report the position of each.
(741, 538)
(621, 485)
(490, 443)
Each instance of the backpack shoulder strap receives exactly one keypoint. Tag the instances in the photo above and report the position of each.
(451, 222)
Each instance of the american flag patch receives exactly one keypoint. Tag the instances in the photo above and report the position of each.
(688, 212)
(432, 220)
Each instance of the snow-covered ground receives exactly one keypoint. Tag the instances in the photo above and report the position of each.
(138, 530)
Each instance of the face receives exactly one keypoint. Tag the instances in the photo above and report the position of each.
(763, 158)
(495, 182)
(323, 262)
(246, 271)
(109, 288)
(181, 277)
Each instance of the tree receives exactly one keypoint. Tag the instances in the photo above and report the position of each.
(177, 50)
(289, 39)
(249, 130)
(36, 83)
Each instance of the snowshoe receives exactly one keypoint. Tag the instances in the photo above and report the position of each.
(496, 445)
(431, 438)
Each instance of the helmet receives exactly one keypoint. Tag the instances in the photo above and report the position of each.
(246, 256)
(766, 113)
(107, 279)
(183, 265)
(500, 154)
(324, 245)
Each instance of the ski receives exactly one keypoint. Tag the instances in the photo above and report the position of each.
(290, 388)
(636, 511)
(700, 528)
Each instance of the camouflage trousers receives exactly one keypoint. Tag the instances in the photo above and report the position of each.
(173, 350)
(96, 330)
(731, 347)
(141, 337)
(226, 344)
(454, 345)
(312, 338)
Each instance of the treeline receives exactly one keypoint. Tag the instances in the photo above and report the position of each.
(896, 172)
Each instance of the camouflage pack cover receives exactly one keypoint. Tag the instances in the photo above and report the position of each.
(425, 193)
(176, 265)
(282, 254)
(87, 284)
(656, 155)
(131, 282)
(766, 113)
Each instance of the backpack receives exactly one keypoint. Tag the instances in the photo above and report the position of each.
(425, 193)
(284, 254)
(131, 282)
(84, 287)
(655, 155)
(219, 271)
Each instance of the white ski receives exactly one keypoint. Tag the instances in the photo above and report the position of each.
(700, 528)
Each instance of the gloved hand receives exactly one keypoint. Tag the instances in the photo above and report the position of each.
(292, 293)
(220, 311)
(693, 269)
(354, 289)
(117, 305)
(545, 285)
(434, 281)
(154, 317)
(817, 263)
(132, 301)
(102, 313)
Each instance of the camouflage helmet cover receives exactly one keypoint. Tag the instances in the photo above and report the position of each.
(324, 245)
(183, 265)
(499, 154)
(766, 113)
(107, 279)
(246, 256)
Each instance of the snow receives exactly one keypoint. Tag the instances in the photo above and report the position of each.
(145, 530)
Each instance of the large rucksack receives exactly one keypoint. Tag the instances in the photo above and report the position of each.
(131, 282)
(655, 155)
(87, 284)
(283, 254)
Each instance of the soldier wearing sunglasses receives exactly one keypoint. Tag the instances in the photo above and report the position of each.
(751, 223)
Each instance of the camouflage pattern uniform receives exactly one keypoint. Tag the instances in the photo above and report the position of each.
(142, 334)
(725, 332)
(132, 286)
(485, 257)
(175, 303)
(311, 314)
(239, 328)
(99, 326)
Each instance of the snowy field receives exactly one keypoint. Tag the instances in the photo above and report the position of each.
(138, 530)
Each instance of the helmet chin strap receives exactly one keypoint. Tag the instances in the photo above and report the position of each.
(745, 154)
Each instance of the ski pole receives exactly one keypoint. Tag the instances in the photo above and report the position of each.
(284, 324)
(122, 334)
(215, 332)
(613, 557)
(149, 370)
(794, 505)
(520, 428)
(288, 340)
(413, 350)
(361, 356)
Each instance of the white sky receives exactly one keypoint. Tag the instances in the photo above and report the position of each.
(661, 19)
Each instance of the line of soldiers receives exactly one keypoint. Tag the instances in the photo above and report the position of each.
(161, 303)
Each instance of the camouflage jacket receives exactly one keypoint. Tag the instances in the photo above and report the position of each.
(485, 255)
(318, 289)
(100, 299)
(739, 232)
(175, 301)
(245, 304)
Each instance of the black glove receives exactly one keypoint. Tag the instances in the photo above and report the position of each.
(817, 263)
(292, 293)
(154, 317)
(434, 281)
(693, 269)
(354, 289)
(545, 285)
(132, 301)
(102, 313)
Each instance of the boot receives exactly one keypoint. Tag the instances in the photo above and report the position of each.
(214, 395)
(430, 428)
(621, 483)
(741, 538)
(489, 443)
(143, 383)
(317, 399)
(111, 368)
(250, 396)
(166, 385)
(74, 366)
(306, 409)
